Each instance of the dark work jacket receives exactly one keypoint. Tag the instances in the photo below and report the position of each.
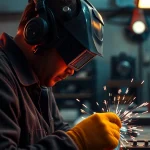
(29, 117)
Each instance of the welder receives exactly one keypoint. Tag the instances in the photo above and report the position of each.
(54, 39)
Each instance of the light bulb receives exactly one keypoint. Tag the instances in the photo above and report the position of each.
(138, 27)
(144, 4)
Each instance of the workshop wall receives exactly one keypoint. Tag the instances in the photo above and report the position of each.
(115, 42)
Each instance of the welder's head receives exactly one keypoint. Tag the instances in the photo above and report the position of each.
(73, 27)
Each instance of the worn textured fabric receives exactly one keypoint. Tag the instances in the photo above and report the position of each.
(29, 117)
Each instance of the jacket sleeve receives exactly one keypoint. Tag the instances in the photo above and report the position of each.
(59, 123)
(10, 130)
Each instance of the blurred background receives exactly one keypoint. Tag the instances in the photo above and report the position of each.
(125, 65)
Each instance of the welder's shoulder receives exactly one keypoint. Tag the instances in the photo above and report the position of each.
(6, 71)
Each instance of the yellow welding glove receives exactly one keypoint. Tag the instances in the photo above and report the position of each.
(100, 131)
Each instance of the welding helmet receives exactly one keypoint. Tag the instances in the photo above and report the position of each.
(86, 40)
(78, 37)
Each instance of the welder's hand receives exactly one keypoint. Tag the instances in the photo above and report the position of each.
(99, 131)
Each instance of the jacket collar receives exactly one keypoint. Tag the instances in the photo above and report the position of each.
(18, 61)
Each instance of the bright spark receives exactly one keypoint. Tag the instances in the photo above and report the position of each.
(132, 80)
(126, 115)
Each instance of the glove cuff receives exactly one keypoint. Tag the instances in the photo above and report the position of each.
(76, 139)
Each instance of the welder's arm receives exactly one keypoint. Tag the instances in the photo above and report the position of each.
(10, 130)
(59, 123)
(100, 131)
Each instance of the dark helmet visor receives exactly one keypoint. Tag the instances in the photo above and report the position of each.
(74, 53)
